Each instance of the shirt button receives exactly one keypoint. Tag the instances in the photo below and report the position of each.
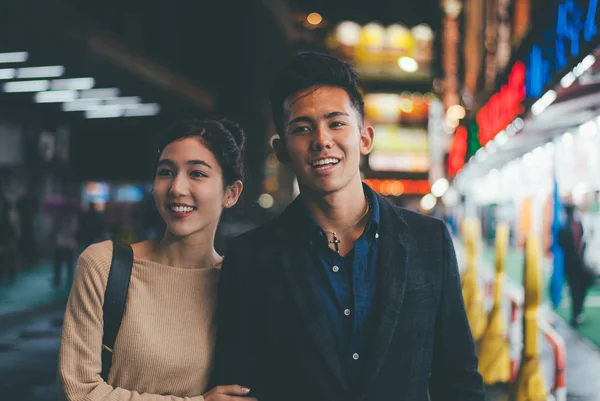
(335, 269)
(376, 235)
(347, 312)
(355, 356)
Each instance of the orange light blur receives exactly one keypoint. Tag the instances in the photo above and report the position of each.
(314, 18)
(388, 187)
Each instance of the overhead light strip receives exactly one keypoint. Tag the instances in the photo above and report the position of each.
(149, 109)
(7, 73)
(26, 86)
(73, 84)
(80, 104)
(100, 93)
(115, 111)
(112, 113)
(41, 72)
(55, 96)
(14, 57)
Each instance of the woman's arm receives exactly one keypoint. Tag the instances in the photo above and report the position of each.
(80, 363)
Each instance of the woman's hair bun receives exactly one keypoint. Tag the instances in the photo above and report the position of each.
(235, 129)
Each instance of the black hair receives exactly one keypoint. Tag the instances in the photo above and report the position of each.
(223, 137)
(313, 69)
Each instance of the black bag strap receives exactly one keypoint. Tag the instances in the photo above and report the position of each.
(115, 296)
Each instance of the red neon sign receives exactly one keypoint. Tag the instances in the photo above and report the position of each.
(503, 107)
(458, 151)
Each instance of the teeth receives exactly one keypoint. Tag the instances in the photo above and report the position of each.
(322, 162)
(181, 209)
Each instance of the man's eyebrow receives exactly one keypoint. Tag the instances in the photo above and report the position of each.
(305, 119)
(335, 114)
(326, 116)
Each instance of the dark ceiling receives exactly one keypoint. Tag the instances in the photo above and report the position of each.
(169, 52)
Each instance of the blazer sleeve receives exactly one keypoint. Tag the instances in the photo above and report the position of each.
(454, 375)
(233, 358)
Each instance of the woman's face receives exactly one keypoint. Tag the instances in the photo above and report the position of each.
(188, 188)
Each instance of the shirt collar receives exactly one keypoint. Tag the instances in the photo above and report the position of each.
(309, 228)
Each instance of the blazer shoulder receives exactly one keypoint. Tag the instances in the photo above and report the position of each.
(417, 220)
(262, 234)
(428, 231)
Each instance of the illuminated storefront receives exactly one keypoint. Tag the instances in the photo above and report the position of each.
(538, 132)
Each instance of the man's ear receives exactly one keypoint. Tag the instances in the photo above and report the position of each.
(367, 138)
(280, 150)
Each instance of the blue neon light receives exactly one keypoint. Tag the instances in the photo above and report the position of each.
(575, 19)
(569, 24)
(590, 28)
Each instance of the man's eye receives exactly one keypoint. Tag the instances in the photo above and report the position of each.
(298, 130)
(337, 124)
(164, 173)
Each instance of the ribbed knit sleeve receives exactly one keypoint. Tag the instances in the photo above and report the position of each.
(79, 362)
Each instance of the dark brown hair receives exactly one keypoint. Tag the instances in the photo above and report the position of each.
(223, 137)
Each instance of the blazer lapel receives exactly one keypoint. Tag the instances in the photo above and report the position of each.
(296, 263)
(394, 249)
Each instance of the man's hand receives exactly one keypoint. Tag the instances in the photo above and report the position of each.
(228, 393)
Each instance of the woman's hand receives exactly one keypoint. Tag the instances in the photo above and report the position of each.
(228, 393)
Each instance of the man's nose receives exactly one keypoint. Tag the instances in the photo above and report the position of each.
(322, 139)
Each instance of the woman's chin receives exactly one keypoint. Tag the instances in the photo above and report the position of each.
(180, 232)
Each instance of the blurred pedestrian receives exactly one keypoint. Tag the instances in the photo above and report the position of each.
(578, 278)
(66, 227)
(165, 344)
(8, 244)
(591, 237)
(92, 227)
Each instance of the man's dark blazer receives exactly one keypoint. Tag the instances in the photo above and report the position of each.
(273, 336)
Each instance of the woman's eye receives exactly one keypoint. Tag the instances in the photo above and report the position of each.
(197, 174)
(164, 173)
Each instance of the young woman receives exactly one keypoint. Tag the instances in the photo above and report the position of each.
(164, 348)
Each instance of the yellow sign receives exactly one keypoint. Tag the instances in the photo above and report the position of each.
(393, 51)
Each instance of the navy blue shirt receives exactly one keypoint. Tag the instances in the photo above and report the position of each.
(346, 286)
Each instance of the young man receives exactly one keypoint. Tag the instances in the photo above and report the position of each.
(344, 296)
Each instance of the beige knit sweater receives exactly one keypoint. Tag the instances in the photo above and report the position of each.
(164, 348)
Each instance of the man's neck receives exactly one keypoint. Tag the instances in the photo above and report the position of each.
(339, 209)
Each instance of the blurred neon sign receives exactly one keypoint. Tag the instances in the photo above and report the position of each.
(503, 107)
(458, 151)
(575, 20)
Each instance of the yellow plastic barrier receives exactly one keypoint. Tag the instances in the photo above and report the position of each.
(472, 293)
(530, 382)
(494, 347)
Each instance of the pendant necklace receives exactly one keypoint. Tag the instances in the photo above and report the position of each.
(336, 241)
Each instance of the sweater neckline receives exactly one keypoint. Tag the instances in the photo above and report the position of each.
(149, 262)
